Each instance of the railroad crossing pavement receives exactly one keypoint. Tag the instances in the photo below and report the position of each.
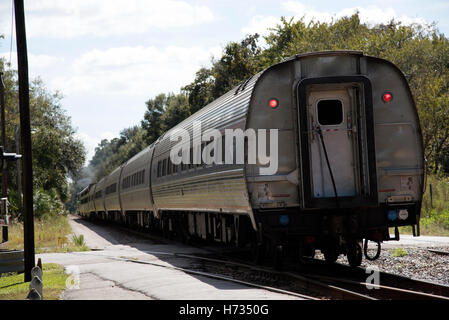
(105, 274)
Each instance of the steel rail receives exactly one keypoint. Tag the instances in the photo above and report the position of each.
(381, 291)
(320, 268)
(439, 252)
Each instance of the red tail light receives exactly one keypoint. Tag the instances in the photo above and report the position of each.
(273, 103)
(387, 97)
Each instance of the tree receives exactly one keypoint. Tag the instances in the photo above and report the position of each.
(239, 61)
(176, 111)
(57, 154)
(151, 119)
(199, 92)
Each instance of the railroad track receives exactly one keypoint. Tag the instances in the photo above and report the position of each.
(307, 286)
(312, 280)
(320, 284)
(440, 252)
(390, 286)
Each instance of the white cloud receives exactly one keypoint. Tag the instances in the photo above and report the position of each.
(90, 143)
(40, 65)
(35, 61)
(134, 70)
(67, 19)
(261, 24)
(370, 14)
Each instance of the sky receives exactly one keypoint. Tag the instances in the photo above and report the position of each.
(107, 57)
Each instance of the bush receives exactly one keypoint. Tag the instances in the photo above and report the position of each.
(47, 204)
(440, 196)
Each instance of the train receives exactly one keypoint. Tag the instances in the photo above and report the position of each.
(332, 158)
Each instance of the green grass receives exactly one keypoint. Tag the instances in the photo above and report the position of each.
(13, 287)
(51, 234)
(78, 240)
(434, 212)
(399, 252)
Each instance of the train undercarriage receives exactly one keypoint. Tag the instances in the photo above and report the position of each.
(280, 234)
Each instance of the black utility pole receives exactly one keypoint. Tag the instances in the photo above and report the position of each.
(25, 133)
(4, 174)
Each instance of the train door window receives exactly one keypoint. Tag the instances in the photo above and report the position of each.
(330, 112)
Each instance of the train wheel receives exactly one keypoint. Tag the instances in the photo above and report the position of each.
(306, 251)
(258, 251)
(277, 259)
(355, 254)
(330, 254)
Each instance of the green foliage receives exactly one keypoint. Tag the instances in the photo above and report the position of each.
(436, 219)
(239, 61)
(78, 240)
(110, 154)
(399, 252)
(46, 203)
(151, 120)
(177, 109)
(55, 150)
(51, 234)
(435, 211)
(440, 196)
(200, 90)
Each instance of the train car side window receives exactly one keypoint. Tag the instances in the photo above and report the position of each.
(169, 167)
(330, 112)
(164, 167)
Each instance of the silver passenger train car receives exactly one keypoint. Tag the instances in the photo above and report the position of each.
(349, 163)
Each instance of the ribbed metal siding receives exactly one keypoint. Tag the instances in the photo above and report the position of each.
(99, 202)
(137, 198)
(211, 188)
(91, 203)
(112, 200)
